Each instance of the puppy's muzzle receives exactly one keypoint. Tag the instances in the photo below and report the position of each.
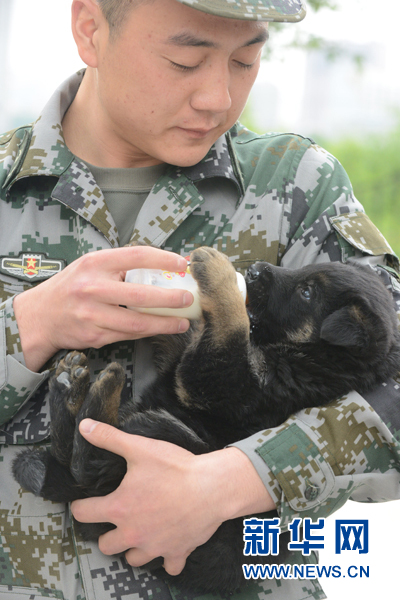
(259, 270)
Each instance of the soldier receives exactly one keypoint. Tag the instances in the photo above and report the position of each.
(145, 146)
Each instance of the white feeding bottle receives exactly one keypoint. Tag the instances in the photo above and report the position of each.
(170, 280)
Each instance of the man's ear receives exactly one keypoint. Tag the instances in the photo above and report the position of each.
(87, 23)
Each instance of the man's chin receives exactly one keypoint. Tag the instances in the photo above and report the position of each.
(187, 158)
(187, 150)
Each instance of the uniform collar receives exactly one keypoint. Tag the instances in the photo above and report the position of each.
(42, 150)
(219, 162)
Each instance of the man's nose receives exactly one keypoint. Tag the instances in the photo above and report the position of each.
(213, 93)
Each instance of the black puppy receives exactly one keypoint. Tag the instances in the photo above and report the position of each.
(307, 337)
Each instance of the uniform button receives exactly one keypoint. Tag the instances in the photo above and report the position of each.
(312, 491)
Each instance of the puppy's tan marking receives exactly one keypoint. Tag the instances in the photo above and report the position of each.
(357, 313)
(220, 297)
(183, 395)
(301, 335)
(108, 387)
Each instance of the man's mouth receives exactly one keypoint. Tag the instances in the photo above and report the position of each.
(196, 133)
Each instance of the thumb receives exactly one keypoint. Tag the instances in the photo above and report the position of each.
(107, 437)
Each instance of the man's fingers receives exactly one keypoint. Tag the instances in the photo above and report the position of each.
(134, 448)
(91, 510)
(116, 323)
(114, 542)
(174, 565)
(135, 294)
(144, 257)
(137, 558)
(107, 437)
(142, 529)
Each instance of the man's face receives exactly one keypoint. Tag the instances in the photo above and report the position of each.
(173, 81)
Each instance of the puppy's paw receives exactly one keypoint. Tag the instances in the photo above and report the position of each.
(71, 381)
(220, 297)
(111, 378)
(213, 272)
(105, 395)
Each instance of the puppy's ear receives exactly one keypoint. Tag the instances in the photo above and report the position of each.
(347, 327)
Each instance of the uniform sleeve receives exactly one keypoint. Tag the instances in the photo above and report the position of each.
(321, 457)
(17, 383)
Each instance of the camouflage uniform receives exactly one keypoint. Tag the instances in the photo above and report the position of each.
(274, 197)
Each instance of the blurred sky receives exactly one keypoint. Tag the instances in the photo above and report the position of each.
(41, 54)
(367, 25)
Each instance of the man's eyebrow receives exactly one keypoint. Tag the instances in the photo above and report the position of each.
(186, 38)
(261, 38)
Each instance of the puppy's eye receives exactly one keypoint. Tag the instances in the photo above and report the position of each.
(306, 292)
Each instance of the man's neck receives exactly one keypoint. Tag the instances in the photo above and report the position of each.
(88, 137)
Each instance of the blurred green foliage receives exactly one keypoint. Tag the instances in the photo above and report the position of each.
(373, 165)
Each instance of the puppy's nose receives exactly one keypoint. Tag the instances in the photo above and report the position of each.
(253, 272)
(259, 269)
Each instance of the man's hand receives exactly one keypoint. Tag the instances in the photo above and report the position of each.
(170, 500)
(82, 306)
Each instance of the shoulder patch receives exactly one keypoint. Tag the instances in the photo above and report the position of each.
(6, 137)
(359, 231)
(18, 132)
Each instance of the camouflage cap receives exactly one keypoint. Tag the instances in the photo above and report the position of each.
(253, 10)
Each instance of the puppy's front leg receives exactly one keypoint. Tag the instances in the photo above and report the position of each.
(68, 390)
(101, 404)
(221, 301)
(215, 374)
